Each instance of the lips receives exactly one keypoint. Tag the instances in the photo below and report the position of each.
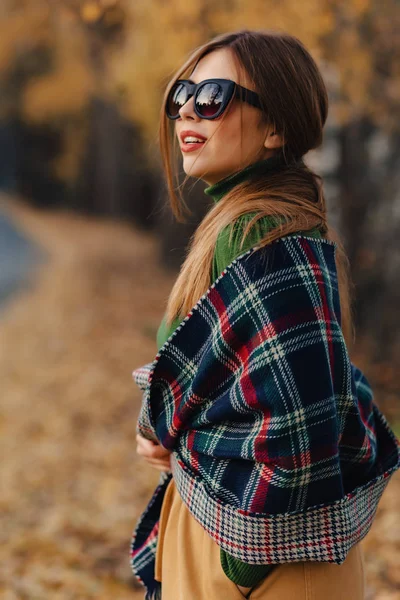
(191, 146)
(187, 132)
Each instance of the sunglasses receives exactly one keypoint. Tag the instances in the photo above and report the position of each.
(211, 97)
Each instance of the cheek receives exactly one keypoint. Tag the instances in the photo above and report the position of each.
(228, 132)
(240, 128)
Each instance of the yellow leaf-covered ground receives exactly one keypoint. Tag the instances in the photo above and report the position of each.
(72, 484)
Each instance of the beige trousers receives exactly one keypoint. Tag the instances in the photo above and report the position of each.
(188, 565)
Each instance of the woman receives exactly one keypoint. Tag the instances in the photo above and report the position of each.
(273, 454)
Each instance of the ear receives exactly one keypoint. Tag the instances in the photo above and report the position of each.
(273, 140)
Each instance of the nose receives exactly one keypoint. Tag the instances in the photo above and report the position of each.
(187, 110)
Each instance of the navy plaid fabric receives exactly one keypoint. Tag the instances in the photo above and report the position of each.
(279, 451)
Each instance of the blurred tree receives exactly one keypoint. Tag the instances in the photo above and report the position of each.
(55, 73)
(36, 74)
(368, 108)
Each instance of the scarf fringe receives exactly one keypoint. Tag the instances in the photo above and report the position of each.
(153, 593)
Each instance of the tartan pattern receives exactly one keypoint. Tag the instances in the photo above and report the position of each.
(145, 424)
(323, 533)
(279, 451)
(141, 375)
(145, 538)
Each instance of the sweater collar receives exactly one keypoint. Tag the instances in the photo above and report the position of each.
(222, 187)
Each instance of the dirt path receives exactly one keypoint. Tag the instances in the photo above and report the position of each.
(18, 257)
(72, 484)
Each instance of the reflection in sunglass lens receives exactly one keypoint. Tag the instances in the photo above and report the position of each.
(177, 98)
(209, 99)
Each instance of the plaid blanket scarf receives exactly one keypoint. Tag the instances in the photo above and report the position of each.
(278, 449)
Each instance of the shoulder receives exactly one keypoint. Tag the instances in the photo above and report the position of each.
(228, 245)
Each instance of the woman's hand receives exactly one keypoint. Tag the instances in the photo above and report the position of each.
(155, 454)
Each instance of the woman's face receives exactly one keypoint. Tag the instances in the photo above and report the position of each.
(228, 147)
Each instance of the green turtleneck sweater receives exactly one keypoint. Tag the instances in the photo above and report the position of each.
(239, 572)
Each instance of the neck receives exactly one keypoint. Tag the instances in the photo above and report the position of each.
(266, 165)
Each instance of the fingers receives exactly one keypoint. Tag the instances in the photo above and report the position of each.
(151, 449)
(161, 465)
(159, 452)
(155, 454)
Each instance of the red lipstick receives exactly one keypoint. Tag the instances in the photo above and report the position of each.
(191, 146)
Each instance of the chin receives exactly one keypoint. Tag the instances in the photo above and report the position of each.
(195, 168)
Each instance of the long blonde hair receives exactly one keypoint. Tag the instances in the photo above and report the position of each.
(294, 101)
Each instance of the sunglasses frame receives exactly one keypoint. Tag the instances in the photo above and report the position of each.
(229, 88)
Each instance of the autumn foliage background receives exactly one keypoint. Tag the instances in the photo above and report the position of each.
(80, 180)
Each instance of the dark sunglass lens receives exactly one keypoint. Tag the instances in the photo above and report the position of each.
(176, 99)
(209, 99)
